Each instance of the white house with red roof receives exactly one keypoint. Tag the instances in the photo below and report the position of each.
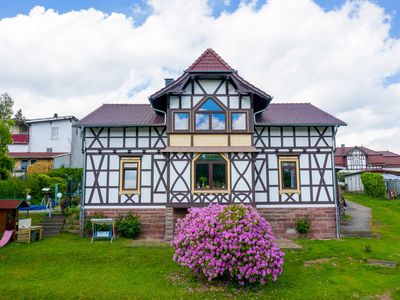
(52, 139)
(210, 136)
(359, 158)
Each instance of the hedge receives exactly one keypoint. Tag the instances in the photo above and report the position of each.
(17, 187)
(374, 184)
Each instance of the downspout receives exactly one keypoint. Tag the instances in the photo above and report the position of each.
(335, 183)
(260, 111)
(160, 111)
(83, 150)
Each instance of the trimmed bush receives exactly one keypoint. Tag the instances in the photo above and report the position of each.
(230, 242)
(128, 226)
(374, 184)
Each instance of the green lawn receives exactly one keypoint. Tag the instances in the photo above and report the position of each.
(70, 267)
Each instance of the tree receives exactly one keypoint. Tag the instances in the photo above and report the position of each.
(19, 116)
(6, 112)
(6, 107)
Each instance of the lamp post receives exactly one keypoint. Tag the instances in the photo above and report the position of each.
(59, 195)
(28, 200)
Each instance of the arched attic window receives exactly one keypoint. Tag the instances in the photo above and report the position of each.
(210, 116)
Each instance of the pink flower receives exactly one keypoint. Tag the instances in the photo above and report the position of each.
(228, 240)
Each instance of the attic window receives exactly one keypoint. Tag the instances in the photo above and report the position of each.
(181, 121)
(210, 116)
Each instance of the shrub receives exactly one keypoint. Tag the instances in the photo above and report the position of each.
(128, 226)
(303, 225)
(340, 176)
(232, 242)
(374, 184)
(40, 167)
(12, 188)
(69, 211)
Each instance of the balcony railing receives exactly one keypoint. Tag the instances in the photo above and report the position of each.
(20, 138)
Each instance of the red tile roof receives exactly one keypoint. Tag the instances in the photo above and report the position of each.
(296, 114)
(122, 115)
(210, 61)
(375, 158)
(12, 204)
(36, 154)
(302, 114)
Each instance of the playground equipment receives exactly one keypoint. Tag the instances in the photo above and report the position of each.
(103, 234)
(27, 232)
(6, 238)
(46, 204)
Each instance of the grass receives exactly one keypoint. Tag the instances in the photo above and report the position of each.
(69, 267)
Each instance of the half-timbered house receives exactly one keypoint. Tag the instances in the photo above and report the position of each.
(211, 137)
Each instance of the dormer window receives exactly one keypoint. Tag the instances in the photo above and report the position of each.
(181, 121)
(210, 116)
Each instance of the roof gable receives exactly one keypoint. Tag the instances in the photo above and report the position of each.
(210, 61)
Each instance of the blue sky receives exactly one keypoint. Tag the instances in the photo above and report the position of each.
(71, 63)
(127, 7)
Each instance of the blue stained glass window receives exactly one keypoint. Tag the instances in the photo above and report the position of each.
(239, 121)
(202, 121)
(210, 105)
(218, 121)
(181, 121)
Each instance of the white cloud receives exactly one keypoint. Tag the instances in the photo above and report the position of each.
(73, 62)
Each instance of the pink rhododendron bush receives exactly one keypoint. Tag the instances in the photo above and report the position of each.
(233, 242)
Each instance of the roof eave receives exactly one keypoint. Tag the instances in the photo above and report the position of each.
(297, 124)
(117, 125)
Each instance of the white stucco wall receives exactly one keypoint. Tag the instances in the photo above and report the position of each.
(18, 148)
(40, 136)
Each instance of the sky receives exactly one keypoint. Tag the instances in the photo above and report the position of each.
(71, 56)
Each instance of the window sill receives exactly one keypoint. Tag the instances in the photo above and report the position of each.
(289, 192)
(211, 191)
(129, 192)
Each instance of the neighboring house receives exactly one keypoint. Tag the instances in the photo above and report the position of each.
(211, 137)
(361, 158)
(51, 139)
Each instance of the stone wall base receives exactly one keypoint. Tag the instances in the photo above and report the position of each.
(283, 221)
(152, 220)
(156, 222)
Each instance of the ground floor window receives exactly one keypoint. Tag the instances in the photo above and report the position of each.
(24, 165)
(129, 177)
(289, 175)
(210, 173)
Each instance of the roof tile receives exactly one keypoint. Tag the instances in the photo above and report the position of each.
(210, 61)
(296, 114)
(122, 115)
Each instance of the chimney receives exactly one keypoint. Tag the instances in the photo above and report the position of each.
(342, 145)
(168, 81)
(55, 115)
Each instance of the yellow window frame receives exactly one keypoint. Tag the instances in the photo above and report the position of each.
(121, 175)
(281, 160)
(215, 191)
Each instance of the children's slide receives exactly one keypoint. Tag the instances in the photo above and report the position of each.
(6, 238)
